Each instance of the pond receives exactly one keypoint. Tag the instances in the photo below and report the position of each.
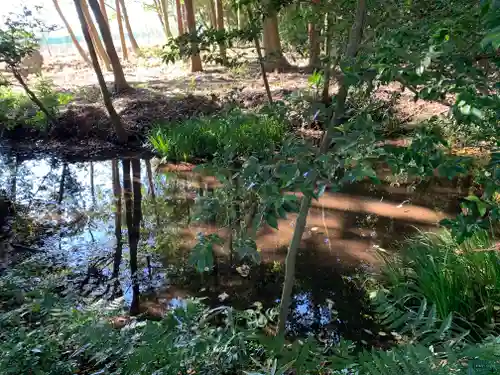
(106, 227)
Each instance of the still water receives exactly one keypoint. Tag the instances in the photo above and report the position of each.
(108, 220)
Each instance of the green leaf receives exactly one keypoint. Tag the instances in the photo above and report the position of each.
(272, 220)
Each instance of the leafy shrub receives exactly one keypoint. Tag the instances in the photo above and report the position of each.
(17, 109)
(459, 279)
(236, 131)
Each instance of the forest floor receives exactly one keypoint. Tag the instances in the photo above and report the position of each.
(168, 93)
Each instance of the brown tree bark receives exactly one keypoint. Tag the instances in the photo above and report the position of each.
(120, 30)
(178, 9)
(272, 44)
(352, 48)
(115, 119)
(195, 57)
(220, 26)
(212, 14)
(120, 80)
(102, 5)
(133, 42)
(81, 51)
(314, 46)
(166, 23)
(95, 36)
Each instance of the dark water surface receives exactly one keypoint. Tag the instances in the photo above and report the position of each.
(150, 236)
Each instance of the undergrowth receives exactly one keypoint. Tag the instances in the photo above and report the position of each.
(201, 138)
(459, 279)
(16, 108)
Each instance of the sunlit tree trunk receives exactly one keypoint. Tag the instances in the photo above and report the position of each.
(220, 26)
(79, 48)
(115, 119)
(166, 23)
(337, 118)
(95, 36)
(178, 10)
(120, 81)
(325, 96)
(133, 42)
(272, 44)
(195, 58)
(120, 30)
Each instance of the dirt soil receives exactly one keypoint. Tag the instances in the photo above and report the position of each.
(164, 93)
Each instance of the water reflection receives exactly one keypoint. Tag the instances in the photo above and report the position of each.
(120, 242)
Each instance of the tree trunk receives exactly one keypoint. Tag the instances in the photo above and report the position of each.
(314, 46)
(261, 63)
(211, 13)
(102, 5)
(117, 258)
(178, 9)
(220, 26)
(120, 81)
(32, 95)
(166, 24)
(195, 57)
(81, 51)
(115, 119)
(133, 42)
(272, 44)
(62, 183)
(337, 119)
(95, 35)
(325, 96)
(120, 30)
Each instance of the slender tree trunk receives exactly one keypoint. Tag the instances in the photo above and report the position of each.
(95, 35)
(115, 119)
(325, 96)
(102, 5)
(220, 26)
(13, 178)
(166, 23)
(81, 51)
(120, 81)
(133, 42)
(117, 193)
(32, 95)
(195, 58)
(272, 44)
(337, 119)
(314, 46)
(211, 13)
(178, 9)
(261, 63)
(120, 30)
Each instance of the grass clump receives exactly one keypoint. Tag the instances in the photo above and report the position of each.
(236, 131)
(462, 280)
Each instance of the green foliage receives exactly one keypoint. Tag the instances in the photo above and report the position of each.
(237, 132)
(462, 280)
(16, 109)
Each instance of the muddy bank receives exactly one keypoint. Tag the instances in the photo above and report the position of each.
(83, 129)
